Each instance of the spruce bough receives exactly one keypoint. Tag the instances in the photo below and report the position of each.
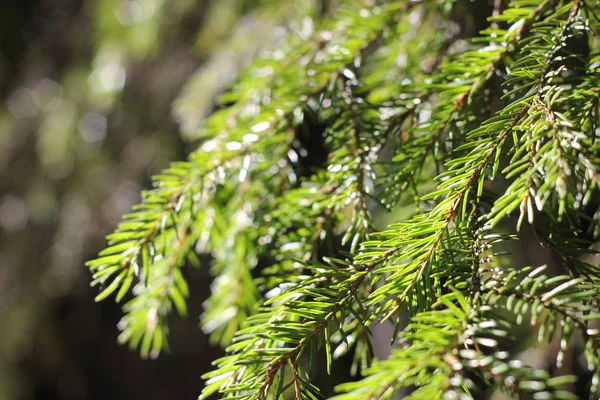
(387, 112)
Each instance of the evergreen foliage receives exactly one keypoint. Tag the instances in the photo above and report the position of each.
(465, 142)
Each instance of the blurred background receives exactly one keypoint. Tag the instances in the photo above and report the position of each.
(96, 96)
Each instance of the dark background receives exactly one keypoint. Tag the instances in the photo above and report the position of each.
(72, 160)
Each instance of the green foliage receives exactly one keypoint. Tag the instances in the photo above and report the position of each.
(468, 142)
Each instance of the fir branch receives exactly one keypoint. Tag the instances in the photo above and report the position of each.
(235, 132)
(334, 290)
(460, 81)
(457, 183)
(436, 358)
(560, 301)
(259, 188)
